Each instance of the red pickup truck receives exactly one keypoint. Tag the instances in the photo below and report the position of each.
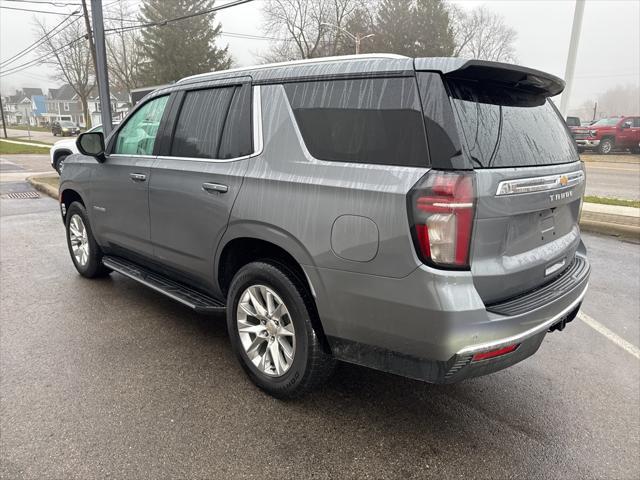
(609, 134)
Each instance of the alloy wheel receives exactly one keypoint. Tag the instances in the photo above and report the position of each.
(79, 240)
(266, 331)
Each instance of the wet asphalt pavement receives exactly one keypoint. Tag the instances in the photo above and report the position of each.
(107, 379)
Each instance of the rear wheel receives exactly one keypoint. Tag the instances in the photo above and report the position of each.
(606, 146)
(269, 321)
(85, 251)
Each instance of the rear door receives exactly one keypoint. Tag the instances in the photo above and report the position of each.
(529, 185)
(198, 174)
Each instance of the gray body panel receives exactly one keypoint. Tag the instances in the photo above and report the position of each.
(187, 221)
(516, 238)
(120, 204)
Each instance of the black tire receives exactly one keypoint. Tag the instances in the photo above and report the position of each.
(635, 151)
(93, 267)
(580, 150)
(59, 163)
(606, 146)
(54, 134)
(311, 365)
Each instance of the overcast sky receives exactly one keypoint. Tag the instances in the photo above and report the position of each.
(608, 55)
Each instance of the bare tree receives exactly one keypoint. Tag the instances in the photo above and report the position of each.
(307, 28)
(68, 52)
(124, 54)
(482, 34)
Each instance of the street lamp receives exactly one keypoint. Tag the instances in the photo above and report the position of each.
(356, 38)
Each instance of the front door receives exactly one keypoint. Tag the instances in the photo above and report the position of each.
(120, 185)
(195, 181)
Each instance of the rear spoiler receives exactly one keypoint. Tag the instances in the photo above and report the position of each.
(505, 74)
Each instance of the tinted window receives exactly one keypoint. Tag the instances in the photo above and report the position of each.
(439, 120)
(573, 121)
(236, 138)
(200, 123)
(138, 135)
(636, 122)
(506, 127)
(375, 121)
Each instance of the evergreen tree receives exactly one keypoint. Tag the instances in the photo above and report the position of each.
(179, 49)
(416, 28)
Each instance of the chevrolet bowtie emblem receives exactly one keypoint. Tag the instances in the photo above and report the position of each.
(564, 180)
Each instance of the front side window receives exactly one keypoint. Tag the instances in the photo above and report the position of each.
(373, 121)
(138, 135)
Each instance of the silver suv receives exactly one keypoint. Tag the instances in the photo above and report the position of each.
(417, 216)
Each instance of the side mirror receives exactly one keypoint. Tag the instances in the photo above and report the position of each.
(92, 144)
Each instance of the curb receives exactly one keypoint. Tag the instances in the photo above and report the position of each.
(632, 159)
(43, 187)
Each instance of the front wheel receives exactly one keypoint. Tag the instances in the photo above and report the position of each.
(85, 251)
(606, 146)
(59, 163)
(269, 322)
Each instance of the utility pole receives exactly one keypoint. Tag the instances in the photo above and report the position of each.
(571, 58)
(4, 123)
(92, 45)
(101, 66)
(595, 109)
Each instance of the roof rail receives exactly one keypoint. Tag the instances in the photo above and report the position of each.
(340, 58)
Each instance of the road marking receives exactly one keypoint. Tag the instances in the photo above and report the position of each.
(621, 342)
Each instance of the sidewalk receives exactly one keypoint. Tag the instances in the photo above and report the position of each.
(611, 219)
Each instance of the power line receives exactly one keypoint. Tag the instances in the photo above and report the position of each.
(111, 31)
(162, 23)
(33, 11)
(53, 3)
(35, 44)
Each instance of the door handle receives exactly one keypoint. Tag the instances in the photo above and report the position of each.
(215, 188)
(138, 177)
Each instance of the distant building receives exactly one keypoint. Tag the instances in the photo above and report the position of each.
(63, 103)
(27, 106)
(120, 106)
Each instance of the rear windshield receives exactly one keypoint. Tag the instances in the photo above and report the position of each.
(67, 124)
(374, 120)
(505, 127)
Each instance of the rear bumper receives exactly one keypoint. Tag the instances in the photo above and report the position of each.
(588, 143)
(429, 325)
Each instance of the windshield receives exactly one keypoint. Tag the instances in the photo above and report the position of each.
(606, 122)
(67, 124)
(506, 127)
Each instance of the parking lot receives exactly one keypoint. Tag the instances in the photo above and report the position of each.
(106, 378)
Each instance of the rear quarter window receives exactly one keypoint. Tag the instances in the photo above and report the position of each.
(505, 127)
(372, 121)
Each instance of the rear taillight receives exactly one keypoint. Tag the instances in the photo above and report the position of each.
(441, 207)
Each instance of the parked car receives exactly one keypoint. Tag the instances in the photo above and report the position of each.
(63, 148)
(609, 134)
(64, 128)
(373, 209)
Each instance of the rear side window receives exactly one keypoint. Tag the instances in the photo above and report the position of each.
(505, 127)
(236, 137)
(201, 122)
(374, 121)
